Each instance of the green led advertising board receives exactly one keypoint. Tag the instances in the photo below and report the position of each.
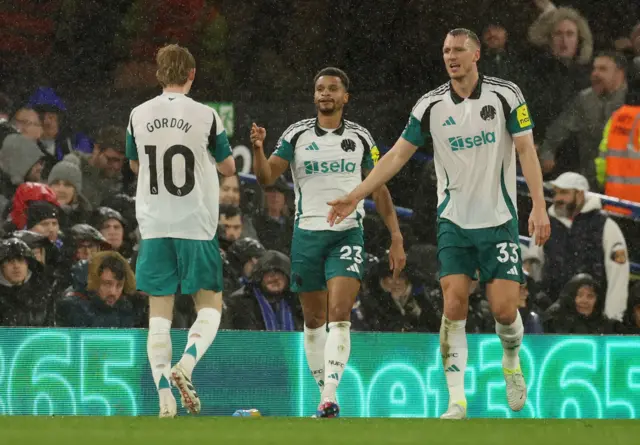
(105, 373)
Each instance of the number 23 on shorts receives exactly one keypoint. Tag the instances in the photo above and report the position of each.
(507, 252)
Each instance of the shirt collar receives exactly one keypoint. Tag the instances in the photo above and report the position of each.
(475, 94)
(320, 132)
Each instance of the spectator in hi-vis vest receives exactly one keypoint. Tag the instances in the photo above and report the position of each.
(618, 167)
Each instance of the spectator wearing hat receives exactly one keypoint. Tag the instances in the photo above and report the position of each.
(265, 303)
(20, 162)
(43, 217)
(242, 257)
(584, 240)
(273, 222)
(24, 291)
(65, 180)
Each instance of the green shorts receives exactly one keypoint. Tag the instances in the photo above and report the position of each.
(166, 264)
(494, 251)
(319, 255)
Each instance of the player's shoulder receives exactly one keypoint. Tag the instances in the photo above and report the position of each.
(357, 129)
(146, 105)
(432, 96)
(505, 87)
(299, 127)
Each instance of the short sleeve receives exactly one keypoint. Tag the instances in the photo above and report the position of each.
(519, 120)
(219, 146)
(131, 149)
(371, 154)
(416, 132)
(413, 132)
(284, 149)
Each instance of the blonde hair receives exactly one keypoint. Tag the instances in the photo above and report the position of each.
(174, 65)
(541, 31)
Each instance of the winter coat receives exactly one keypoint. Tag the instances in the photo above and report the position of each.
(77, 310)
(27, 304)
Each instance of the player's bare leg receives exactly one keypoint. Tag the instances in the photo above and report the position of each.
(453, 341)
(342, 296)
(314, 309)
(159, 351)
(201, 335)
(503, 298)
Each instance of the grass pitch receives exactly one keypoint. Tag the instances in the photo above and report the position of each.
(266, 431)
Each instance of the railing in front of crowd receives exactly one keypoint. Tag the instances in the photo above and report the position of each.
(406, 213)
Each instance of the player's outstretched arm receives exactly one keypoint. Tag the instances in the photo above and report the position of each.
(267, 170)
(134, 165)
(386, 168)
(538, 219)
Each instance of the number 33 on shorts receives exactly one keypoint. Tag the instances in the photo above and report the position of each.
(507, 251)
(508, 266)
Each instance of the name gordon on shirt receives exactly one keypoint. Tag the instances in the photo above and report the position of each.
(157, 124)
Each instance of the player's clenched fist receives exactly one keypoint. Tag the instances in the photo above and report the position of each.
(258, 134)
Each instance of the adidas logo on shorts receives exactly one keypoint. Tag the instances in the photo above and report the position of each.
(354, 268)
(513, 271)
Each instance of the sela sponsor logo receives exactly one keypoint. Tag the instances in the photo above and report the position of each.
(341, 166)
(462, 143)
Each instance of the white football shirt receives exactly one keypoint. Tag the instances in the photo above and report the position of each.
(326, 165)
(474, 154)
(177, 142)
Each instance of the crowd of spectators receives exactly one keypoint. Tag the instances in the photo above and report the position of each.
(69, 232)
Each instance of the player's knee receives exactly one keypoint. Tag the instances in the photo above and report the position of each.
(504, 311)
(208, 299)
(314, 321)
(161, 307)
(456, 306)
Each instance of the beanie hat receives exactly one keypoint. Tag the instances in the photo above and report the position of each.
(39, 211)
(67, 170)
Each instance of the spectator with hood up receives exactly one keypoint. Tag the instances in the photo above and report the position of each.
(242, 256)
(584, 240)
(65, 179)
(57, 137)
(265, 303)
(113, 227)
(20, 162)
(24, 291)
(108, 300)
(579, 310)
(26, 193)
(86, 241)
(39, 244)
